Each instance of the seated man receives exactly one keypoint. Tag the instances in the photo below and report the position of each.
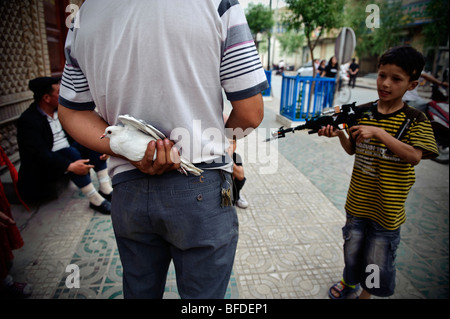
(47, 153)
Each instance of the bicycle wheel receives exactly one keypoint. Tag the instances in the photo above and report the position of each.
(344, 95)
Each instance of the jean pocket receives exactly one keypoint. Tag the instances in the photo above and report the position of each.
(346, 233)
(393, 247)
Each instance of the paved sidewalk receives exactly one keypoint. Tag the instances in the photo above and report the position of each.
(290, 242)
(422, 257)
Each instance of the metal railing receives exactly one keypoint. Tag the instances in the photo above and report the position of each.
(267, 92)
(305, 97)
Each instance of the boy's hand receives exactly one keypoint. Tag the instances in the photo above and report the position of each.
(360, 133)
(104, 157)
(328, 131)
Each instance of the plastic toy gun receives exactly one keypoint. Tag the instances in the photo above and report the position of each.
(346, 114)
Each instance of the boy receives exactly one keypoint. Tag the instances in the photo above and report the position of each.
(388, 141)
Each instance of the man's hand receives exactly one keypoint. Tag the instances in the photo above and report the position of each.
(104, 157)
(167, 158)
(80, 167)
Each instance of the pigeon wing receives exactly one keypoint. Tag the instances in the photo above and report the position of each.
(186, 166)
(142, 126)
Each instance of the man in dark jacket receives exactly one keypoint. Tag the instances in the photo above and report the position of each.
(353, 73)
(48, 153)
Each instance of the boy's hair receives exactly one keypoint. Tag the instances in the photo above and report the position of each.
(405, 57)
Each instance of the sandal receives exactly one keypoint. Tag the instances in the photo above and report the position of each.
(343, 290)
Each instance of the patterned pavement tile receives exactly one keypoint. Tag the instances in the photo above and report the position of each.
(290, 238)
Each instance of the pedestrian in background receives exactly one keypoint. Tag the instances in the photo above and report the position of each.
(330, 71)
(321, 67)
(331, 68)
(353, 73)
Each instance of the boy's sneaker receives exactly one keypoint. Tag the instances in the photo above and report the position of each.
(242, 203)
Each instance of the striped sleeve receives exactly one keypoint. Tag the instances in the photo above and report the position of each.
(422, 136)
(241, 71)
(74, 90)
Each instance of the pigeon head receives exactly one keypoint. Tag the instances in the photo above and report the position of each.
(111, 130)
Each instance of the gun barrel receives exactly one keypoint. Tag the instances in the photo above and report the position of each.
(328, 112)
(345, 114)
(275, 133)
(332, 111)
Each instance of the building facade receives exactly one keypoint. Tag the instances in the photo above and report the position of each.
(32, 36)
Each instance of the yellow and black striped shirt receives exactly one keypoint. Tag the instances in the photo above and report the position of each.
(380, 180)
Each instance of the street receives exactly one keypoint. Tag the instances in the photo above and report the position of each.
(290, 238)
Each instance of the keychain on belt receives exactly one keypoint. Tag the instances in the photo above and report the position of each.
(226, 194)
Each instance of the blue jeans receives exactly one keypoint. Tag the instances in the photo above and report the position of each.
(157, 219)
(369, 244)
(76, 152)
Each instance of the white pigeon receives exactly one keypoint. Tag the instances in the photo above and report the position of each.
(131, 140)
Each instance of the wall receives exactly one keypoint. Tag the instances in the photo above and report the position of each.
(24, 55)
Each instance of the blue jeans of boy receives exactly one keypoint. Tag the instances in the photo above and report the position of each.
(369, 255)
(157, 219)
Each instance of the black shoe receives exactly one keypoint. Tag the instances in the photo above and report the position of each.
(15, 290)
(107, 197)
(104, 207)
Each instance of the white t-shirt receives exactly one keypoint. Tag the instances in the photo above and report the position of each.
(59, 136)
(165, 62)
(413, 95)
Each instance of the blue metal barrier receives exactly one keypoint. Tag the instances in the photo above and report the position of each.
(267, 91)
(303, 97)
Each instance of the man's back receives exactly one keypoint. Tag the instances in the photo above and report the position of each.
(164, 62)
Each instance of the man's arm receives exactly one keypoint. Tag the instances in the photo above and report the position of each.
(245, 116)
(86, 127)
(432, 79)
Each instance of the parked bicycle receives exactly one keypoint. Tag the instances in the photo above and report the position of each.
(343, 94)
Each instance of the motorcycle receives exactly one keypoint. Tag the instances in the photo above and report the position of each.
(437, 112)
(280, 69)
